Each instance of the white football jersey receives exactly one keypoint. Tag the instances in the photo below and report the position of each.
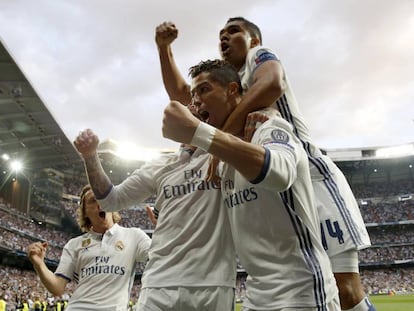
(192, 243)
(342, 224)
(103, 266)
(276, 228)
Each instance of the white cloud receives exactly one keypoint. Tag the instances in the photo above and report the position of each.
(95, 63)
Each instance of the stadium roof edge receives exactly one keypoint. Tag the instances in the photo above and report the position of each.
(28, 131)
(370, 153)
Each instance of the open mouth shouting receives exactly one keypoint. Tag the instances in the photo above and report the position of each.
(224, 47)
(102, 214)
(204, 115)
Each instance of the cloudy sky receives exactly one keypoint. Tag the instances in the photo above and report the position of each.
(95, 62)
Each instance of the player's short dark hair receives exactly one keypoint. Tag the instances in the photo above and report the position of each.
(220, 71)
(252, 28)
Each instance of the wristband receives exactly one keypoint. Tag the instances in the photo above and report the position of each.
(203, 136)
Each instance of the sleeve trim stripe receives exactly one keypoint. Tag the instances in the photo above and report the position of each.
(265, 168)
(63, 276)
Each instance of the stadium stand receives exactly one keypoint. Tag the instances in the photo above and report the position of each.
(382, 181)
(39, 203)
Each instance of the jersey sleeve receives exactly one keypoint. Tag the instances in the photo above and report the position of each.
(257, 56)
(143, 243)
(66, 267)
(138, 187)
(283, 151)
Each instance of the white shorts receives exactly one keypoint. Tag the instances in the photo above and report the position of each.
(342, 226)
(211, 298)
(333, 305)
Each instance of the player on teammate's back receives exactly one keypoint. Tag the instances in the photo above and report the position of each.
(265, 83)
(273, 221)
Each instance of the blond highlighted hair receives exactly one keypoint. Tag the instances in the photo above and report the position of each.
(83, 221)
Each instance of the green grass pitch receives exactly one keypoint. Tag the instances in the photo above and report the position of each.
(385, 303)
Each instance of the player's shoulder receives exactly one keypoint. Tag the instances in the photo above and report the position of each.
(131, 231)
(75, 241)
(262, 53)
(276, 122)
(134, 236)
(158, 162)
(276, 130)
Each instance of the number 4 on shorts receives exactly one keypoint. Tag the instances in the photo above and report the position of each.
(334, 232)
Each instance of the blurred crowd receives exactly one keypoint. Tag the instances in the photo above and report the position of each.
(390, 243)
(18, 286)
(379, 189)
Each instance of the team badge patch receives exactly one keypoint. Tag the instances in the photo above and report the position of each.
(86, 243)
(119, 245)
(280, 136)
(263, 55)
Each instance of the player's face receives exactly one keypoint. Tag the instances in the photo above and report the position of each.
(194, 110)
(93, 211)
(211, 99)
(235, 43)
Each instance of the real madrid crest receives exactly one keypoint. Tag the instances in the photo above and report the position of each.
(86, 242)
(119, 245)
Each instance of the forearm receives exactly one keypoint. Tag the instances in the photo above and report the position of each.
(99, 181)
(260, 95)
(174, 83)
(54, 284)
(267, 85)
(248, 159)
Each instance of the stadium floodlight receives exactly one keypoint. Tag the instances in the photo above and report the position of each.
(397, 151)
(132, 152)
(5, 157)
(16, 166)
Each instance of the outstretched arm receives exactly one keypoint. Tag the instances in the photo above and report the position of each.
(174, 83)
(54, 284)
(87, 143)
